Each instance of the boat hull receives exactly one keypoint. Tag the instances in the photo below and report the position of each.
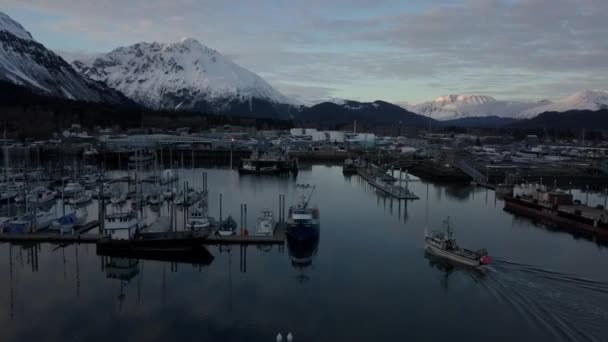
(554, 217)
(303, 232)
(451, 256)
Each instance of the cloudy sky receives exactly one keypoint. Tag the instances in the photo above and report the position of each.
(394, 50)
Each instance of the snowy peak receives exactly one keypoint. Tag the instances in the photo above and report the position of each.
(583, 100)
(464, 99)
(7, 24)
(185, 75)
(451, 107)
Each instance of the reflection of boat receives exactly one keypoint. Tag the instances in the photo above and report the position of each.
(349, 167)
(444, 245)
(302, 251)
(122, 268)
(302, 219)
(227, 227)
(266, 223)
(196, 255)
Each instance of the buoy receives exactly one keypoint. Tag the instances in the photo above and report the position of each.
(279, 337)
(289, 337)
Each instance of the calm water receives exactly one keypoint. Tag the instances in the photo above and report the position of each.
(368, 279)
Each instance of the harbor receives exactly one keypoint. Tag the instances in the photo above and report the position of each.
(352, 244)
(150, 220)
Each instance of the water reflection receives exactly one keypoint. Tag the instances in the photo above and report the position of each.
(449, 267)
(301, 254)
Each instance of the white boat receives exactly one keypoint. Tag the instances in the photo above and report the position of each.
(154, 198)
(168, 194)
(198, 219)
(72, 188)
(266, 223)
(30, 222)
(118, 197)
(43, 219)
(42, 195)
(227, 227)
(192, 197)
(444, 245)
(81, 197)
(122, 225)
(90, 179)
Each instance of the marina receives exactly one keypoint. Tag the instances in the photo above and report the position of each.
(219, 270)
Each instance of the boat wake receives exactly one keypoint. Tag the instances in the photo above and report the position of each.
(569, 307)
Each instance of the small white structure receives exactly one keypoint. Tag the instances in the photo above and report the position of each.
(266, 223)
(122, 225)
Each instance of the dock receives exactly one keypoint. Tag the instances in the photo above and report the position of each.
(152, 239)
(395, 191)
(78, 235)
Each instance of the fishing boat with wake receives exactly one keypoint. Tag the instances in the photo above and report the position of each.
(444, 245)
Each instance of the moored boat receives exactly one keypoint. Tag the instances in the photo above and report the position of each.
(302, 218)
(227, 227)
(266, 223)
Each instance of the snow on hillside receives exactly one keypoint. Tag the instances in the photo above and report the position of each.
(582, 100)
(452, 107)
(9, 25)
(178, 75)
(25, 62)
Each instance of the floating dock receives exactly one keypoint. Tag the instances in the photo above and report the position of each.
(395, 191)
(49, 236)
(151, 241)
(278, 238)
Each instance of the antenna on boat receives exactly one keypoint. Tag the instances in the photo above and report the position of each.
(426, 212)
(448, 227)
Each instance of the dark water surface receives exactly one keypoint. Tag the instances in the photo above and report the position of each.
(369, 278)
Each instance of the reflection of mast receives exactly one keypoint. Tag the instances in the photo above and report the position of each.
(163, 286)
(141, 274)
(121, 295)
(10, 274)
(77, 272)
(64, 270)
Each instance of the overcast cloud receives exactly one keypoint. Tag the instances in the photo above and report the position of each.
(391, 50)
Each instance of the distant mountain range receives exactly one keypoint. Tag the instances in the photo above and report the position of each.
(188, 76)
(378, 112)
(454, 107)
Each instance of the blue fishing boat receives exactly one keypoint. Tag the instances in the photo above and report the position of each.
(303, 219)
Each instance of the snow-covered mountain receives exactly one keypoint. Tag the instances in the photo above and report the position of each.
(583, 100)
(26, 62)
(185, 75)
(453, 107)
